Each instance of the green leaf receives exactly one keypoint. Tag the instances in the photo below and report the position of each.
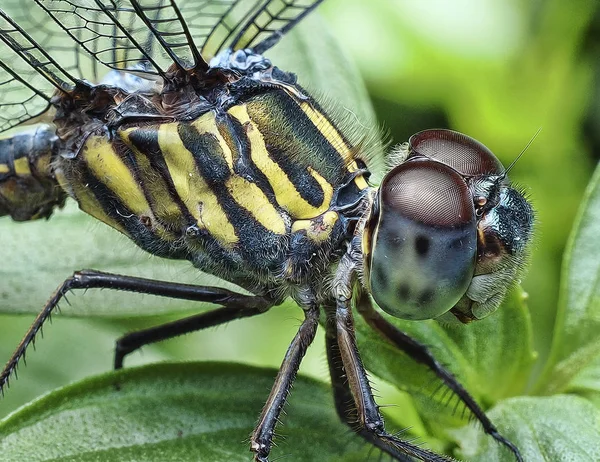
(191, 411)
(71, 350)
(576, 345)
(560, 427)
(492, 358)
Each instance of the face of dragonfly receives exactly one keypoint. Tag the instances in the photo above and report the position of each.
(451, 233)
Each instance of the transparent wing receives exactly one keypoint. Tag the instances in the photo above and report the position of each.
(91, 37)
(117, 34)
(47, 45)
(18, 102)
(239, 24)
(28, 75)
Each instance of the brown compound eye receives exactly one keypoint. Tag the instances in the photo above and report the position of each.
(425, 242)
(464, 154)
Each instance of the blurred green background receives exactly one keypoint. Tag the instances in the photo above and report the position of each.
(497, 70)
(494, 69)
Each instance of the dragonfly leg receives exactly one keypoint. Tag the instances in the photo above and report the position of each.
(235, 306)
(352, 391)
(262, 437)
(421, 354)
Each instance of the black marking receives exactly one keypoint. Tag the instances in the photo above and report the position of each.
(426, 297)
(515, 221)
(306, 185)
(235, 135)
(143, 236)
(422, 244)
(208, 154)
(145, 140)
(404, 292)
(292, 139)
(259, 247)
(348, 193)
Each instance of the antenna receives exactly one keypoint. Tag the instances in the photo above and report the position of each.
(512, 164)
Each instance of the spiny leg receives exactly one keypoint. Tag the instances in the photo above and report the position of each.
(369, 424)
(262, 437)
(237, 306)
(421, 354)
(342, 396)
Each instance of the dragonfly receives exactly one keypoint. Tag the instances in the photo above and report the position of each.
(165, 121)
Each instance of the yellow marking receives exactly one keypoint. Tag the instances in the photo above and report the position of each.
(325, 186)
(22, 167)
(191, 187)
(42, 163)
(165, 209)
(360, 182)
(285, 191)
(250, 197)
(208, 124)
(330, 133)
(246, 194)
(300, 225)
(109, 168)
(87, 201)
(318, 229)
(89, 204)
(62, 181)
(4, 168)
(335, 139)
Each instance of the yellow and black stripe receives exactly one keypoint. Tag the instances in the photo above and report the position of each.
(232, 185)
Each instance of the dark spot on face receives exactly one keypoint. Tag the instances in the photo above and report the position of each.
(381, 277)
(404, 292)
(392, 239)
(422, 245)
(426, 297)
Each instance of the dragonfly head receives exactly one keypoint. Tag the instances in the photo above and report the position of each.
(449, 233)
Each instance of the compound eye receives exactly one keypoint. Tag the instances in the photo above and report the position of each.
(425, 242)
(461, 152)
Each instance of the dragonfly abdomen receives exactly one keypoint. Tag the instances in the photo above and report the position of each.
(28, 189)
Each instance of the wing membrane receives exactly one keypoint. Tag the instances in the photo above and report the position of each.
(240, 24)
(110, 32)
(18, 102)
(47, 45)
(28, 75)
